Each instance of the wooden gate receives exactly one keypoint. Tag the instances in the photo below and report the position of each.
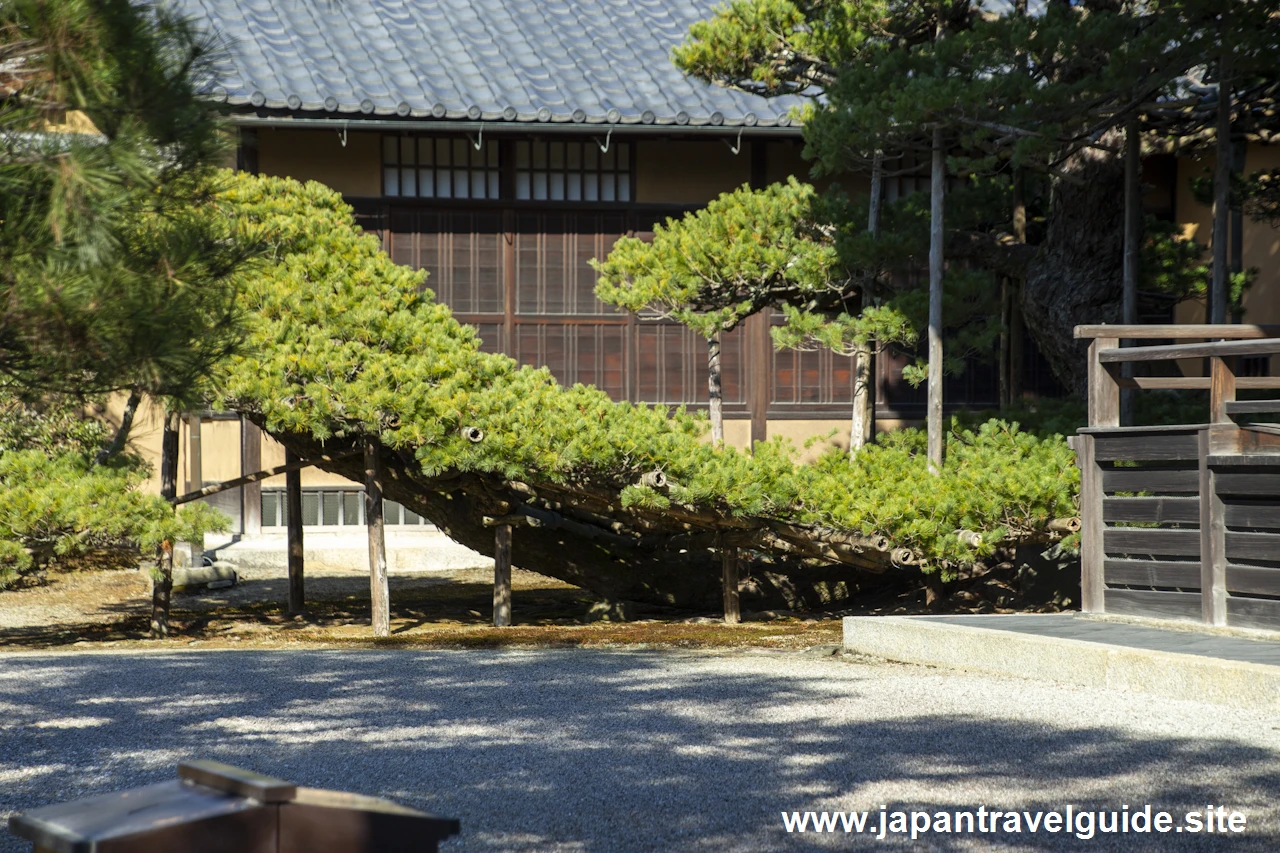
(1181, 522)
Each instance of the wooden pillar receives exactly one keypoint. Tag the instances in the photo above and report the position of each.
(250, 493)
(502, 575)
(1104, 390)
(1222, 389)
(1213, 541)
(195, 465)
(1092, 529)
(757, 363)
(293, 521)
(729, 579)
(379, 594)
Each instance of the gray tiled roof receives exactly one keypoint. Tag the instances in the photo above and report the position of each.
(489, 60)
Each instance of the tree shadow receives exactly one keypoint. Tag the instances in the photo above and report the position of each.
(632, 751)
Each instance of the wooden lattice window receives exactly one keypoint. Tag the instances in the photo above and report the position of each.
(573, 171)
(426, 167)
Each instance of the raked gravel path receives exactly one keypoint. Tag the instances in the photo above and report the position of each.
(596, 751)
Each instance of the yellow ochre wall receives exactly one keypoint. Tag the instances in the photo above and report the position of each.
(1261, 242)
(319, 155)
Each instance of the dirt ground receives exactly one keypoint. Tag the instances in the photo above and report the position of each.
(100, 609)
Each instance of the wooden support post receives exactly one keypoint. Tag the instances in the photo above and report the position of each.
(1092, 552)
(379, 593)
(195, 465)
(1222, 389)
(162, 588)
(250, 493)
(1213, 541)
(729, 570)
(502, 575)
(293, 521)
(1104, 390)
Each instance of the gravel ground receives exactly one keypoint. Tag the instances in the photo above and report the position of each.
(595, 751)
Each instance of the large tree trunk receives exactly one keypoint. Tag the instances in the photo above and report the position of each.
(937, 191)
(1075, 277)
(1219, 292)
(860, 427)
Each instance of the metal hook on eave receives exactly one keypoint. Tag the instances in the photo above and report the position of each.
(604, 149)
(736, 147)
(343, 135)
(479, 138)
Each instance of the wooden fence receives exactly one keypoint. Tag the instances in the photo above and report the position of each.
(1181, 522)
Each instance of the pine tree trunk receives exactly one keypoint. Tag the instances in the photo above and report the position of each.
(863, 402)
(126, 424)
(1219, 292)
(1075, 276)
(1132, 248)
(713, 389)
(162, 589)
(936, 192)
(1017, 329)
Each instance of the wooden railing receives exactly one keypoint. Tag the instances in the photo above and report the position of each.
(1181, 521)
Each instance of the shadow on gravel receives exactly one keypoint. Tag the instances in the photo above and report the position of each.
(605, 752)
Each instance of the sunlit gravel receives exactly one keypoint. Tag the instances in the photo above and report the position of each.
(620, 751)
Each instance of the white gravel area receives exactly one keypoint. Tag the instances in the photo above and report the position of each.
(597, 751)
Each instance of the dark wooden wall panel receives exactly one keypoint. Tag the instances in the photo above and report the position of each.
(1162, 480)
(1253, 580)
(1153, 573)
(1159, 448)
(1166, 605)
(1162, 510)
(1152, 540)
(1261, 613)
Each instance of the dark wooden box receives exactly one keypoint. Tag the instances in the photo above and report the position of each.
(216, 808)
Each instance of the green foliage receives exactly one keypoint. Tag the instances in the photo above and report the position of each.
(722, 263)
(999, 480)
(345, 344)
(62, 506)
(1174, 267)
(56, 504)
(114, 254)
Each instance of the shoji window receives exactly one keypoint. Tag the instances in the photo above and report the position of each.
(425, 167)
(573, 171)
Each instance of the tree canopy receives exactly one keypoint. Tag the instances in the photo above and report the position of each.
(115, 257)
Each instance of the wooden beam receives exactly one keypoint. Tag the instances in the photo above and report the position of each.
(1213, 543)
(502, 576)
(729, 571)
(1112, 354)
(295, 465)
(379, 592)
(1178, 331)
(1104, 391)
(1175, 383)
(293, 523)
(1092, 551)
(1222, 390)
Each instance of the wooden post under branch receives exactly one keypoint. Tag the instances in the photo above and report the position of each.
(502, 575)
(293, 522)
(379, 594)
(729, 570)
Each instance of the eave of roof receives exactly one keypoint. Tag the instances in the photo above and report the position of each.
(520, 62)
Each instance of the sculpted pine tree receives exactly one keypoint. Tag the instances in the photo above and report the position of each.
(344, 346)
(717, 266)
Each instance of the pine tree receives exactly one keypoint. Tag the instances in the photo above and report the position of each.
(717, 266)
